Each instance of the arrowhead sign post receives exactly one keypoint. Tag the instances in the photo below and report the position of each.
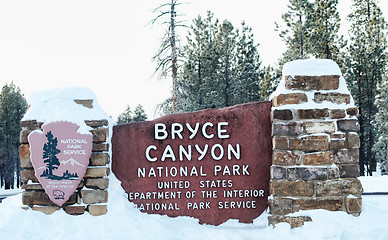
(60, 156)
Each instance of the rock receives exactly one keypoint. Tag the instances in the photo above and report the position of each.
(334, 97)
(325, 82)
(46, 210)
(318, 158)
(351, 125)
(286, 158)
(291, 188)
(320, 127)
(94, 196)
(339, 187)
(353, 140)
(97, 210)
(289, 98)
(99, 159)
(353, 204)
(97, 183)
(278, 172)
(288, 128)
(331, 204)
(285, 114)
(310, 143)
(280, 206)
(313, 113)
(75, 210)
(85, 102)
(96, 172)
(99, 135)
(279, 142)
(337, 113)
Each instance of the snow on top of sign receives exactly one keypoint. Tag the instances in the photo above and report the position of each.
(312, 67)
(58, 105)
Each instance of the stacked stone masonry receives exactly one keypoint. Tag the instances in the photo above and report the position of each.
(315, 151)
(92, 192)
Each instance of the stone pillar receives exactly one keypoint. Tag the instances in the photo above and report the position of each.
(315, 143)
(92, 192)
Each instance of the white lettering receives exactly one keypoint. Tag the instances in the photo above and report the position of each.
(168, 153)
(182, 151)
(204, 133)
(213, 152)
(160, 128)
(220, 131)
(176, 129)
(148, 153)
(236, 152)
(193, 131)
(200, 151)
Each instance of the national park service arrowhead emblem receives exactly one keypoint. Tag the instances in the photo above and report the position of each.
(60, 156)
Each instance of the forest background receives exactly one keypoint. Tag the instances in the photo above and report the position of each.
(214, 63)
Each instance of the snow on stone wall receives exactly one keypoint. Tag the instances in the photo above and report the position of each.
(315, 142)
(78, 105)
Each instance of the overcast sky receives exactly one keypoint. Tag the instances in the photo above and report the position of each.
(108, 46)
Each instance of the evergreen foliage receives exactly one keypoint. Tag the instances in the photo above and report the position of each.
(50, 152)
(296, 34)
(367, 67)
(324, 23)
(137, 116)
(381, 124)
(12, 108)
(269, 82)
(221, 68)
(311, 30)
(126, 116)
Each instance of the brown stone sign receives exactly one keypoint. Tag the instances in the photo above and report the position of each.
(212, 165)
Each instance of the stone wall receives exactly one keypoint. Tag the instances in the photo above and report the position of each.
(91, 194)
(315, 144)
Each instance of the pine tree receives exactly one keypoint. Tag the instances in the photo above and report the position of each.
(126, 116)
(381, 124)
(296, 34)
(50, 152)
(139, 114)
(269, 82)
(221, 67)
(225, 42)
(324, 22)
(367, 67)
(12, 108)
(248, 71)
(198, 87)
(312, 31)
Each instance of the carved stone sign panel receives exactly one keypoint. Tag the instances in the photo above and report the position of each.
(212, 165)
(60, 156)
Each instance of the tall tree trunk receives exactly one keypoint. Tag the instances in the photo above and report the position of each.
(200, 98)
(360, 119)
(173, 57)
(226, 96)
(386, 161)
(301, 36)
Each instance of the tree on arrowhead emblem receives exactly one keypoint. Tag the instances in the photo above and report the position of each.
(49, 154)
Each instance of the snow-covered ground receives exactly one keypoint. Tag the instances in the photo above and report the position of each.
(124, 221)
